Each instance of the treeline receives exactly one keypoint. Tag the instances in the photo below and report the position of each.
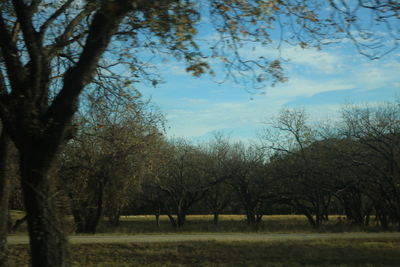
(119, 162)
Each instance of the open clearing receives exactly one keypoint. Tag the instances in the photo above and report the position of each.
(220, 237)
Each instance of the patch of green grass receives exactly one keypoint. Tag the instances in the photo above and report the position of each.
(343, 252)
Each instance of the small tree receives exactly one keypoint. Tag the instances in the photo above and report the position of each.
(305, 168)
(219, 195)
(248, 176)
(376, 130)
(181, 175)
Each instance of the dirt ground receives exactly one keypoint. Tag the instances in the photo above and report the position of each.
(225, 237)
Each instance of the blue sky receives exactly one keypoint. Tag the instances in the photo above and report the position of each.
(321, 81)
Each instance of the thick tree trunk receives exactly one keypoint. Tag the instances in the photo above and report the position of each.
(4, 194)
(49, 246)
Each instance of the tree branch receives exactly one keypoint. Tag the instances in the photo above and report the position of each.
(105, 23)
(15, 69)
(63, 39)
(53, 17)
(31, 40)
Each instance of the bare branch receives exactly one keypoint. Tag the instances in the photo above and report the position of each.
(24, 16)
(104, 25)
(53, 17)
(15, 70)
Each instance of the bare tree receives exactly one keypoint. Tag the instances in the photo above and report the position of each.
(219, 195)
(181, 175)
(103, 165)
(248, 176)
(377, 131)
(303, 165)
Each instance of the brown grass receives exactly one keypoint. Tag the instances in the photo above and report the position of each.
(348, 252)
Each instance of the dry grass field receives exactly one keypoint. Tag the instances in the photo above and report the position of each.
(324, 252)
(344, 252)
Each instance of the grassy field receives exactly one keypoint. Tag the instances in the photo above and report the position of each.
(340, 252)
(347, 252)
(228, 223)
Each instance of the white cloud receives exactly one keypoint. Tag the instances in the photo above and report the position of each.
(312, 72)
(171, 68)
(302, 87)
(319, 61)
(371, 76)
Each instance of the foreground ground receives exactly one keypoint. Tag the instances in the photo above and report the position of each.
(280, 240)
(311, 252)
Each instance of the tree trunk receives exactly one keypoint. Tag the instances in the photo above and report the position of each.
(181, 218)
(180, 215)
(251, 217)
(172, 220)
(17, 223)
(311, 220)
(157, 214)
(216, 218)
(259, 218)
(4, 195)
(115, 217)
(86, 223)
(87, 214)
(49, 246)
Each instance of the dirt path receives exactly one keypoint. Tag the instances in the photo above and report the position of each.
(247, 237)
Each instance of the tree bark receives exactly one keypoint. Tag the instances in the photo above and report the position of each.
(4, 196)
(48, 243)
(38, 127)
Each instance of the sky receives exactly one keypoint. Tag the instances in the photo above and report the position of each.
(320, 81)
